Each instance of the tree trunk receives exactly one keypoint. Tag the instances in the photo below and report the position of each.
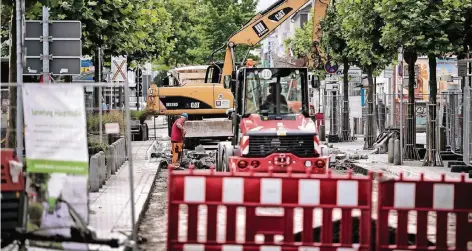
(11, 128)
(346, 128)
(432, 157)
(411, 152)
(370, 140)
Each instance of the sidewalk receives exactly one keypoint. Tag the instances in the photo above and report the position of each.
(379, 163)
(110, 207)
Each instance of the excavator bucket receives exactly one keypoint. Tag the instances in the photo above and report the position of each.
(208, 128)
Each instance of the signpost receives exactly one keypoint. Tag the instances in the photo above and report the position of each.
(53, 47)
(388, 74)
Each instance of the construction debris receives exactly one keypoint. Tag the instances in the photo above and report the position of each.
(199, 157)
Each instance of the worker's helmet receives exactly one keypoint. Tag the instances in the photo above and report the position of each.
(185, 115)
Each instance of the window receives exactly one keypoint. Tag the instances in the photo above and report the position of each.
(279, 94)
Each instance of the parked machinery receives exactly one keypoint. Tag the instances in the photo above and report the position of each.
(271, 124)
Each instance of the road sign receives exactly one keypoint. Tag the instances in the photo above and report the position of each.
(388, 73)
(119, 68)
(57, 48)
(405, 71)
(60, 29)
(112, 128)
(354, 74)
(58, 66)
(64, 43)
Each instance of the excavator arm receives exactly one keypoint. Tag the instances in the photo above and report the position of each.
(257, 29)
(266, 22)
(318, 59)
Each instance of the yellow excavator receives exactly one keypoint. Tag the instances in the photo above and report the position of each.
(208, 103)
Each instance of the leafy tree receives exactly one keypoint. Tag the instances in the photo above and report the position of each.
(421, 27)
(361, 27)
(185, 16)
(138, 29)
(9, 33)
(135, 28)
(334, 43)
(221, 19)
(302, 40)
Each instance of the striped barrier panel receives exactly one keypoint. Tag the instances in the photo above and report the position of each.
(251, 191)
(442, 197)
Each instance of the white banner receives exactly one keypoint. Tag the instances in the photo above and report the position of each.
(56, 156)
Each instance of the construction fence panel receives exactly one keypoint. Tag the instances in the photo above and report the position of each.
(467, 140)
(105, 154)
(419, 200)
(224, 211)
(334, 107)
(450, 113)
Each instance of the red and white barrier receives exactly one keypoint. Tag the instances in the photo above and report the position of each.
(286, 191)
(423, 196)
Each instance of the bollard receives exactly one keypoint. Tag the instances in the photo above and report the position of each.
(111, 159)
(322, 133)
(102, 172)
(390, 150)
(117, 156)
(115, 150)
(144, 135)
(122, 151)
(120, 155)
(94, 174)
(108, 163)
(396, 152)
(127, 146)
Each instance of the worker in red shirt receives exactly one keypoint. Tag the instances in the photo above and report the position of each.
(177, 139)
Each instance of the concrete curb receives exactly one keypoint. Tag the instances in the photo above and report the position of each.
(149, 150)
(148, 198)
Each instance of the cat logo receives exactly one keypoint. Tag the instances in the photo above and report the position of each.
(260, 28)
(279, 15)
(220, 96)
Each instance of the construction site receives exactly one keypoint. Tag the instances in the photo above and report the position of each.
(310, 128)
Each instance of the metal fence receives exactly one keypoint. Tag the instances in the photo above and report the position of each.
(334, 107)
(467, 143)
(105, 197)
(450, 114)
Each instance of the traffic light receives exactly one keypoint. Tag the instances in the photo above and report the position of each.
(139, 76)
(140, 89)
